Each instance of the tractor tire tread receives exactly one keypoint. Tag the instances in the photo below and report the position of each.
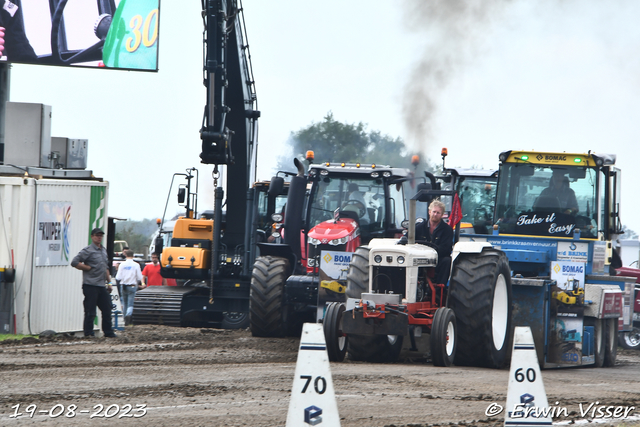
(266, 299)
(471, 290)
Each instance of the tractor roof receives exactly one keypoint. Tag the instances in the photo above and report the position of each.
(372, 170)
(558, 158)
(487, 173)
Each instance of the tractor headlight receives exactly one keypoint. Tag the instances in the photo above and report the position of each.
(277, 217)
(377, 259)
(314, 242)
(341, 241)
(400, 259)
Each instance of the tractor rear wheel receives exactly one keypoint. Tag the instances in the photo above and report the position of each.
(332, 325)
(267, 311)
(358, 274)
(374, 348)
(610, 341)
(480, 297)
(443, 337)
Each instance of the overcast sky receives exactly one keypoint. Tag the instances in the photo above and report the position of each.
(558, 75)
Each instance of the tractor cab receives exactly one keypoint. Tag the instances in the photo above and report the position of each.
(558, 199)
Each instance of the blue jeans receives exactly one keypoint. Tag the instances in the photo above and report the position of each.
(128, 295)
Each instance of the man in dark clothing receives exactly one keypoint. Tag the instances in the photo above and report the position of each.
(440, 234)
(94, 264)
(560, 193)
(13, 40)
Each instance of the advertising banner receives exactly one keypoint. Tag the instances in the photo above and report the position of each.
(333, 278)
(52, 237)
(566, 313)
(121, 34)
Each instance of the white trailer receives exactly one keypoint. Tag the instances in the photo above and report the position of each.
(44, 223)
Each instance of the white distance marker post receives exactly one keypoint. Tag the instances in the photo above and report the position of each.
(116, 308)
(526, 399)
(313, 399)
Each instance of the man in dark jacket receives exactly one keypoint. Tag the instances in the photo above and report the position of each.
(96, 283)
(13, 40)
(440, 235)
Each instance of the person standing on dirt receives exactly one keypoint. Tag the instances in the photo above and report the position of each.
(120, 255)
(440, 235)
(151, 273)
(129, 275)
(94, 264)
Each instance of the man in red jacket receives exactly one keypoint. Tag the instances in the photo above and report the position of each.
(151, 273)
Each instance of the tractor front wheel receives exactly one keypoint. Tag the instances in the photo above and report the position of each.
(358, 274)
(480, 297)
(267, 311)
(332, 324)
(443, 337)
(374, 348)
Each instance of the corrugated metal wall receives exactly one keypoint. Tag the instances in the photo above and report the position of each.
(46, 297)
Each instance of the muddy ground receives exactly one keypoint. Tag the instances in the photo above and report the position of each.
(191, 377)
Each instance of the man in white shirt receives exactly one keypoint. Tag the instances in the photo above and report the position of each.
(129, 275)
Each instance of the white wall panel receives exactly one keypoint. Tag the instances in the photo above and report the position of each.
(46, 297)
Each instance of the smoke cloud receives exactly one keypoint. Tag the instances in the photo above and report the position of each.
(454, 30)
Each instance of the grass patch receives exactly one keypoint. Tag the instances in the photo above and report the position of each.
(15, 337)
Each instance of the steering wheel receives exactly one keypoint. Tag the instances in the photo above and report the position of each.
(325, 213)
(91, 53)
(362, 210)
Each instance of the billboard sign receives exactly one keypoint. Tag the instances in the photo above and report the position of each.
(112, 34)
(52, 241)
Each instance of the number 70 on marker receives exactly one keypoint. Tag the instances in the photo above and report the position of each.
(319, 383)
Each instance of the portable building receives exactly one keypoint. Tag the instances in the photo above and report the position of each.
(44, 222)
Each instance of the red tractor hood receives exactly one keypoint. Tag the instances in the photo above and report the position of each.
(331, 230)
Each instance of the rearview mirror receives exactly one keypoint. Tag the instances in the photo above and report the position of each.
(275, 186)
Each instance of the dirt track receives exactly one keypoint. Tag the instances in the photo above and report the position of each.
(189, 377)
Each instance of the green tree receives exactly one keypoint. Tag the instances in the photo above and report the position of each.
(629, 233)
(137, 234)
(334, 141)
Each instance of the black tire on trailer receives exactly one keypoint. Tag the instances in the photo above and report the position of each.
(480, 297)
(335, 339)
(374, 348)
(358, 273)
(443, 337)
(235, 320)
(267, 311)
(630, 340)
(610, 341)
